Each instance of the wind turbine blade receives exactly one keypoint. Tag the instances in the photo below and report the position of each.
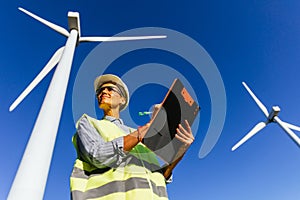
(287, 130)
(258, 102)
(256, 128)
(111, 39)
(291, 126)
(55, 27)
(52, 62)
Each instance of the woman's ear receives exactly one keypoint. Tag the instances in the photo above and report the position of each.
(123, 101)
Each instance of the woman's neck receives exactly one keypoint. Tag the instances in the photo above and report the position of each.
(112, 113)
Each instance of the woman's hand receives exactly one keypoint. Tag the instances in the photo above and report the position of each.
(155, 111)
(185, 135)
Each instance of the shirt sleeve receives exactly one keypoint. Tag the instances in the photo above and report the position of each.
(93, 149)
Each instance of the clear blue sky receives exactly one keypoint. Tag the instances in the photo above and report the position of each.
(253, 41)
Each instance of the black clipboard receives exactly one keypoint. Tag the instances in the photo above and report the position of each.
(177, 106)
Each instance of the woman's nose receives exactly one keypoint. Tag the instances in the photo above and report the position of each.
(104, 91)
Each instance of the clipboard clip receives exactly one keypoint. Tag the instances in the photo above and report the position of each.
(187, 97)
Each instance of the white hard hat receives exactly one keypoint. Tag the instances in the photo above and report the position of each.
(111, 78)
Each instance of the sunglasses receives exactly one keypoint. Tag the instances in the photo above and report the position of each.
(109, 88)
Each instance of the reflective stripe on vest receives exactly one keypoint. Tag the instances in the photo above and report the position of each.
(133, 181)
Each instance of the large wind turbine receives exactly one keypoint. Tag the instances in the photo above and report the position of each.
(271, 117)
(32, 173)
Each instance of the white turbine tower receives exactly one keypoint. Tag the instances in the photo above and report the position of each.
(271, 117)
(32, 173)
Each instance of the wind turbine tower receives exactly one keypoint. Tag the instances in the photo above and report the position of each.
(31, 177)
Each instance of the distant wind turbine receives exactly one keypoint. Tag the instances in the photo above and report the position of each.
(32, 173)
(271, 117)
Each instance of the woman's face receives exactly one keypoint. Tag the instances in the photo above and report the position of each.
(109, 96)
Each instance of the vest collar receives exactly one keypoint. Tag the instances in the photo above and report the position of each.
(113, 120)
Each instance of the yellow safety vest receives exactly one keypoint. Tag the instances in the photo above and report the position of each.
(133, 181)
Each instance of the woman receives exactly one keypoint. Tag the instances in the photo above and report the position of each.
(112, 161)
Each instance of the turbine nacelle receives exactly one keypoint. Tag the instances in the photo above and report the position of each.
(274, 112)
(74, 22)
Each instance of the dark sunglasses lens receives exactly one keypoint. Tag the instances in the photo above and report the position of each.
(109, 88)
